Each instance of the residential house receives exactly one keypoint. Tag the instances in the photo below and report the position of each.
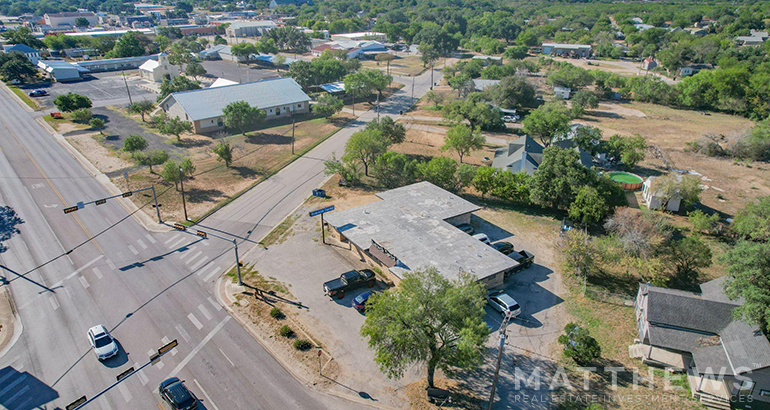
(279, 97)
(571, 50)
(214, 53)
(754, 39)
(693, 69)
(654, 199)
(489, 60)
(562, 92)
(32, 55)
(726, 359)
(481, 84)
(155, 71)
(649, 63)
(70, 18)
(525, 155)
(275, 3)
(221, 82)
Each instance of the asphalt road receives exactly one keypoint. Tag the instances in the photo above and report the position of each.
(146, 288)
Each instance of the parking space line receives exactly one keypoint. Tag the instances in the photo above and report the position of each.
(211, 402)
(133, 250)
(124, 391)
(205, 243)
(105, 404)
(141, 243)
(98, 273)
(84, 282)
(150, 238)
(195, 321)
(183, 333)
(204, 312)
(199, 263)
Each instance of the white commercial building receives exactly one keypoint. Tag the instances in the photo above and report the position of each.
(70, 18)
(155, 71)
(250, 28)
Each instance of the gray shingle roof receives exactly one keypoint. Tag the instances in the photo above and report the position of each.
(209, 102)
(688, 311)
(526, 154)
(22, 48)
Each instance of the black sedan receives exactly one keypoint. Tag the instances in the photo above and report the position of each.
(175, 393)
(38, 93)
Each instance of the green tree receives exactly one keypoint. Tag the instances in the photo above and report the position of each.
(516, 52)
(748, 277)
(512, 187)
(171, 173)
(557, 179)
(462, 83)
(195, 69)
(578, 252)
(163, 42)
(702, 222)
(180, 55)
(347, 170)
(156, 157)
(175, 85)
(128, 45)
(548, 122)
(328, 105)
(365, 147)
(463, 140)
(387, 58)
(82, 115)
(82, 22)
(174, 126)
(243, 51)
(434, 97)
(96, 123)
(428, 319)
(356, 86)
(16, 66)
(589, 207)
(134, 143)
(142, 108)
(394, 132)
(188, 168)
(241, 116)
(478, 113)
(484, 180)
(442, 172)
(571, 77)
(70, 102)
(219, 40)
(685, 187)
(588, 139)
(753, 221)
(687, 256)
(22, 35)
(224, 152)
(579, 345)
(583, 100)
(394, 169)
(511, 93)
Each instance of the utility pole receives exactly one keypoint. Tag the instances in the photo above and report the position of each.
(378, 108)
(237, 263)
(413, 88)
(293, 121)
(503, 327)
(157, 209)
(127, 89)
(432, 66)
(181, 182)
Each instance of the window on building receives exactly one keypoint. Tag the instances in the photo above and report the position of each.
(299, 105)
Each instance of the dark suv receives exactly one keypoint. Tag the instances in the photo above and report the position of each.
(174, 392)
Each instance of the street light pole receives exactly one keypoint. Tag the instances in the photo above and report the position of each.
(155, 197)
(181, 182)
(237, 263)
(293, 121)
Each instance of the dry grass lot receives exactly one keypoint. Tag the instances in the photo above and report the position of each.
(425, 144)
(363, 104)
(410, 65)
(730, 184)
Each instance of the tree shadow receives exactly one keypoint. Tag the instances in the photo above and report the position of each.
(8, 225)
(196, 195)
(247, 172)
(267, 139)
(191, 143)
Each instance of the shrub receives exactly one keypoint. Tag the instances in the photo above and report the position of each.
(286, 331)
(302, 344)
(276, 313)
(579, 345)
(96, 123)
(82, 115)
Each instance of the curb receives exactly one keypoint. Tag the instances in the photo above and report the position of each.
(18, 327)
(18, 99)
(142, 218)
(223, 298)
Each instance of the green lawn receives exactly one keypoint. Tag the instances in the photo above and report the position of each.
(24, 97)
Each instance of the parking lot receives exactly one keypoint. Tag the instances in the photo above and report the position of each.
(234, 72)
(102, 88)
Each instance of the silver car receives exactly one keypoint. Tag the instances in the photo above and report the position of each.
(102, 342)
(504, 303)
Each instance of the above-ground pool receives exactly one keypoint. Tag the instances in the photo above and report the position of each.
(627, 180)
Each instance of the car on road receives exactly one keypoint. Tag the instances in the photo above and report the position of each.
(482, 237)
(506, 248)
(37, 93)
(360, 301)
(175, 393)
(504, 303)
(467, 228)
(354, 279)
(102, 342)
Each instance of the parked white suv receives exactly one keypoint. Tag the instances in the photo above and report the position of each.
(102, 342)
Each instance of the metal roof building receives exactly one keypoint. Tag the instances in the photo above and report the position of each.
(414, 227)
(278, 97)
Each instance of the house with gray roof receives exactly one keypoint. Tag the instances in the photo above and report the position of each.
(415, 227)
(525, 155)
(278, 97)
(32, 55)
(726, 359)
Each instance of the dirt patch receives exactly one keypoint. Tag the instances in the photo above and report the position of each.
(426, 144)
(103, 158)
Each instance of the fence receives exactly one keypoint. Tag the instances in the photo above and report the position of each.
(608, 297)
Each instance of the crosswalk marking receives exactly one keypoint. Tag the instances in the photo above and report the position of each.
(204, 312)
(192, 258)
(54, 302)
(141, 243)
(150, 238)
(195, 321)
(211, 275)
(142, 377)
(214, 303)
(205, 243)
(199, 263)
(105, 404)
(173, 237)
(98, 273)
(183, 333)
(133, 250)
(110, 264)
(201, 272)
(84, 282)
(176, 243)
(124, 391)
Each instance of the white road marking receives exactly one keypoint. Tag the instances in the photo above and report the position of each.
(166, 341)
(210, 402)
(159, 365)
(200, 346)
(120, 255)
(205, 312)
(105, 404)
(84, 282)
(150, 238)
(183, 333)
(124, 391)
(141, 243)
(214, 303)
(195, 321)
(36, 186)
(201, 272)
(171, 239)
(110, 264)
(108, 221)
(133, 250)
(175, 244)
(98, 273)
(54, 302)
(142, 377)
(59, 283)
(228, 359)
(211, 275)
(191, 258)
(205, 243)
(199, 263)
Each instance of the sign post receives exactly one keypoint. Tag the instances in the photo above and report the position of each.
(321, 212)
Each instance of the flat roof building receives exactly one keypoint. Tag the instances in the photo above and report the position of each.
(415, 227)
(577, 50)
(250, 28)
(60, 70)
(70, 18)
